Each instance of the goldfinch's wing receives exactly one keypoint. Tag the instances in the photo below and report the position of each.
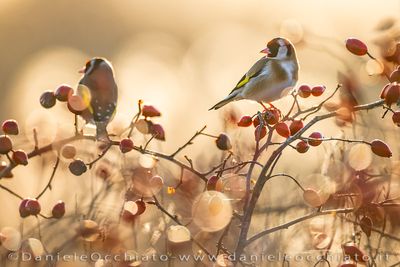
(253, 72)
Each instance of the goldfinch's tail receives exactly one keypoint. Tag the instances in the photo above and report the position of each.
(222, 103)
(101, 131)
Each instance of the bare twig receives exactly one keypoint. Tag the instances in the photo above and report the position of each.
(295, 221)
(189, 142)
(48, 185)
(289, 176)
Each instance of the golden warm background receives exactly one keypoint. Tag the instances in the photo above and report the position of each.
(182, 56)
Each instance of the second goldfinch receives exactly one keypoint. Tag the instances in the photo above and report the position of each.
(269, 77)
(99, 89)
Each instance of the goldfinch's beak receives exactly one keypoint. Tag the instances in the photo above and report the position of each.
(265, 51)
(82, 70)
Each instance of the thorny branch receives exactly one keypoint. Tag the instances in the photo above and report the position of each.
(268, 167)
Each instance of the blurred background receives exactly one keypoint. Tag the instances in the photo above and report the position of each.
(181, 56)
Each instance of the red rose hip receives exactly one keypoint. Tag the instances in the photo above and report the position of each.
(63, 92)
(245, 121)
(58, 210)
(304, 91)
(48, 99)
(318, 90)
(316, 139)
(20, 157)
(302, 147)
(33, 207)
(158, 131)
(150, 111)
(10, 127)
(396, 118)
(380, 148)
(356, 46)
(282, 129)
(126, 145)
(5, 144)
(77, 167)
(295, 126)
(260, 132)
(223, 142)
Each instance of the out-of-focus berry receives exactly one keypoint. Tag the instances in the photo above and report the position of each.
(77, 167)
(10, 127)
(5, 144)
(150, 111)
(47, 99)
(63, 92)
(58, 210)
(304, 91)
(126, 145)
(356, 46)
(223, 142)
(20, 157)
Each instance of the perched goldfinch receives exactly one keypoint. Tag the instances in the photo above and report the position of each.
(101, 92)
(269, 77)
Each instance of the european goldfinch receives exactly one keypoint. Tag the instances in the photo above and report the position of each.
(100, 92)
(270, 77)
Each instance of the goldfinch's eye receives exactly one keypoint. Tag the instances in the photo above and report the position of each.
(273, 49)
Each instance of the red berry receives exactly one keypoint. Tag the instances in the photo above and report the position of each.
(158, 131)
(395, 76)
(8, 174)
(126, 145)
(72, 110)
(352, 250)
(10, 127)
(150, 111)
(304, 91)
(348, 263)
(384, 90)
(223, 142)
(260, 132)
(245, 121)
(77, 167)
(33, 207)
(20, 157)
(127, 216)
(392, 94)
(47, 99)
(68, 151)
(256, 121)
(356, 46)
(282, 129)
(366, 225)
(5, 144)
(380, 148)
(58, 210)
(302, 147)
(141, 206)
(23, 211)
(271, 116)
(296, 126)
(318, 90)
(316, 139)
(63, 92)
(212, 182)
(396, 118)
